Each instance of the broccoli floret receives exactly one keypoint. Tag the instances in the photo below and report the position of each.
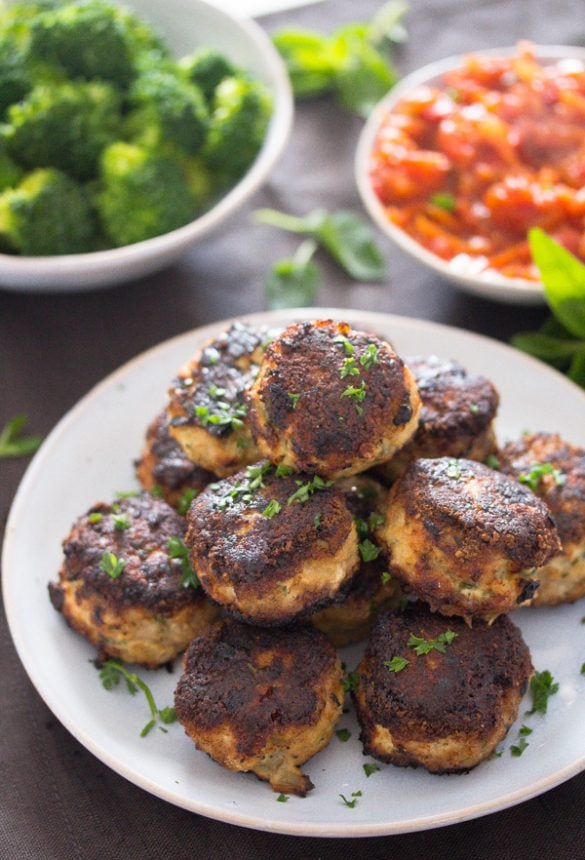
(84, 40)
(10, 172)
(14, 77)
(142, 194)
(47, 213)
(206, 69)
(241, 112)
(64, 126)
(169, 109)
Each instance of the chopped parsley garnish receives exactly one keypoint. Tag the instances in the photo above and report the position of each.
(537, 472)
(294, 399)
(157, 491)
(349, 367)
(272, 509)
(357, 394)
(184, 502)
(112, 671)
(375, 520)
(370, 357)
(348, 347)
(317, 520)
(126, 494)
(492, 461)
(583, 668)
(370, 768)
(13, 443)
(350, 682)
(425, 646)
(396, 664)
(121, 522)
(223, 416)
(112, 565)
(244, 490)
(351, 803)
(283, 471)
(473, 408)
(525, 730)
(368, 550)
(542, 687)
(443, 201)
(305, 491)
(453, 470)
(385, 577)
(95, 517)
(343, 735)
(517, 749)
(282, 798)
(215, 393)
(177, 549)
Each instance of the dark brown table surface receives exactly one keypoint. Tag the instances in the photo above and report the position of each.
(56, 799)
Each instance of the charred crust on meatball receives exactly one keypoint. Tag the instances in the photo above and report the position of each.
(488, 509)
(164, 465)
(462, 693)
(261, 700)
(563, 489)
(318, 390)
(150, 578)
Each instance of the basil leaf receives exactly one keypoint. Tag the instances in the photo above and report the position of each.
(576, 371)
(365, 77)
(386, 25)
(345, 236)
(310, 64)
(293, 283)
(563, 277)
(548, 348)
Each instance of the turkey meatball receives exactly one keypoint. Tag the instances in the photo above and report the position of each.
(456, 418)
(555, 470)
(332, 401)
(435, 693)
(261, 700)
(271, 547)
(207, 412)
(465, 538)
(126, 583)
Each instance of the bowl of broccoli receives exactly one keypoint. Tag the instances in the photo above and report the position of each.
(127, 133)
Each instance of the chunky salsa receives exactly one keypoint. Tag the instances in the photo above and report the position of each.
(465, 166)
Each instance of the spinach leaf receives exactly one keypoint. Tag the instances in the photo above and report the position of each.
(293, 283)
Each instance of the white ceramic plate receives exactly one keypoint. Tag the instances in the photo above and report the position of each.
(464, 273)
(89, 457)
(185, 25)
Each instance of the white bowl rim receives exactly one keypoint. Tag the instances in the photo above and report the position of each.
(23, 269)
(491, 285)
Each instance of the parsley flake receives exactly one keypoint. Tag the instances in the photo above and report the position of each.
(425, 646)
(537, 472)
(492, 461)
(396, 664)
(305, 491)
(351, 803)
(272, 509)
(370, 768)
(283, 471)
(177, 549)
(370, 357)
(112, 565)
(317, 520)
(350, 682)
(385, 577)
(343, 735)
(357, 394)
(443, 201)
(121, 522)
(517, 749)
(13, 443)
(95, 517)
(542, 687)
(294, 399)
(349, 367)
(282, 798)
(453, 470)
(184, 503)
(348, 347)
(368, 550)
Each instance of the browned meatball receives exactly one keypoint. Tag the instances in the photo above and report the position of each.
(261, 700)
(331, 400)
(465, 538)
(164, 467)
(456, 418)
(350, 617)
(271, 548)
(555, 470)
(435, 693)
(207, 412)
(126, 585)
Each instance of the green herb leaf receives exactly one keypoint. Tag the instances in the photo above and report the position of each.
(492, 461)
(272, 509)
(396, 664)
(425, 646)
(112, 671)
(517, 749)
(370, 356)
(351, 803)
(385, 577)
(563, 277)
(365, 75)
(293, 283)
(112, 565)
(350, 682)
(184, 503)
(282, 798)
(295, 399)
(13, 443)
(311, 67)
(368, 550)
(542, 687)
(305, 491)
(121, 522)
(177, 549)
(349, 367)
(343, 735)
(345, 236)
(525, 730)
(536, 473)
(95, 517)
(370, 768)
(357, 394)
(444, 201)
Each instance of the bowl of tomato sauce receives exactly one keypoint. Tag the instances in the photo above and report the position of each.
(465, 155)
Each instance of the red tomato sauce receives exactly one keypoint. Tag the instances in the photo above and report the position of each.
(467, 165)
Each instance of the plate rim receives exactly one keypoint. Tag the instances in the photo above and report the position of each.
(232, 816)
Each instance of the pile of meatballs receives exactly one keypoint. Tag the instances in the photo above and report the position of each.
(309, 488)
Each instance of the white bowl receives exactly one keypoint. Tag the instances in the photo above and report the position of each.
(488, 284)
(185, 24)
